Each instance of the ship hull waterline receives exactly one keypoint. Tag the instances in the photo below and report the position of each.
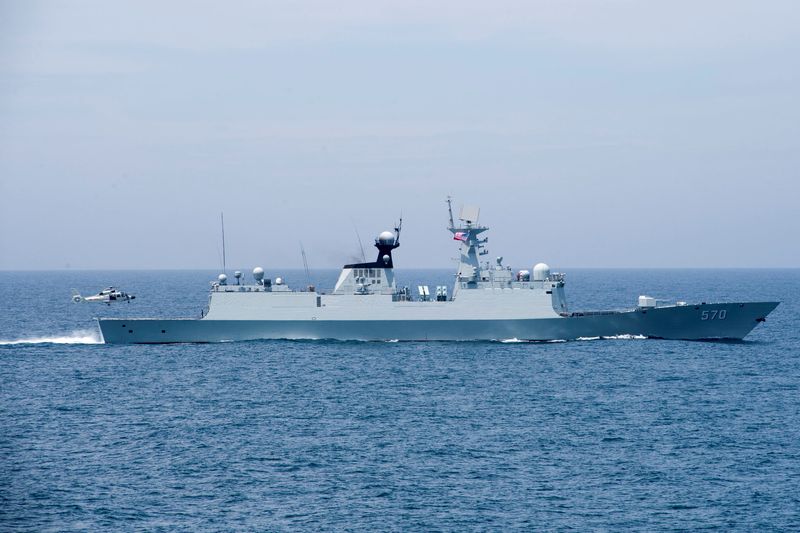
(686, 322)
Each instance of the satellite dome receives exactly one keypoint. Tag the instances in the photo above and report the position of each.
(386, 258)
(258, 273)
(386, 237)
(222, 279)
(278, 281)
(541, 272)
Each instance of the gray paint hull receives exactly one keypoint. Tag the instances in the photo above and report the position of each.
(673, 322)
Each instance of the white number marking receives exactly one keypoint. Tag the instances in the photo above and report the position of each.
(719, 314)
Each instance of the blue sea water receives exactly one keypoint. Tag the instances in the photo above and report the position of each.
(300, 435)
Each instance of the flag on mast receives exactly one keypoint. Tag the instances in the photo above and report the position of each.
(460, 236)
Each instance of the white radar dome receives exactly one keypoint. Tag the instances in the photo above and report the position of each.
(258, 273)
(541, 272)
(222, 279)
(386, 237)
(386, 258)
(278, 281)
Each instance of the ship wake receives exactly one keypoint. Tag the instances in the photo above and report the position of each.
(624, 337)
(76, 337)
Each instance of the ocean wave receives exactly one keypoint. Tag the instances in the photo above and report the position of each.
(76, 337)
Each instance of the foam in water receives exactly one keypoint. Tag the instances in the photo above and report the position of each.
(626, 337)
(516, 340)
(76, 337)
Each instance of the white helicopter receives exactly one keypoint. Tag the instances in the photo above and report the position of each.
(106, 296)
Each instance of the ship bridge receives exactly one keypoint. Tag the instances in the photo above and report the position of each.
(376, 277)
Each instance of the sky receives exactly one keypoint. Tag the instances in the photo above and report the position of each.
(591, 134)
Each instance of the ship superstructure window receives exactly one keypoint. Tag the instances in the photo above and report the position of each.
(374, 273)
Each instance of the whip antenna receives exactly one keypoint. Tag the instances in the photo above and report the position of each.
(305, 264)
(222, 223)
(360, 245)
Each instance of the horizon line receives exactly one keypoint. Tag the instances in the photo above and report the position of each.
(181, 269)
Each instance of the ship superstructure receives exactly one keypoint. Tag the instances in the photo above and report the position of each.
(488, 301)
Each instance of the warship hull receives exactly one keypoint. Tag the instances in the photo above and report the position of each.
(685, 322)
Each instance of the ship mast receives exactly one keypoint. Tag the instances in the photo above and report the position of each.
(472, 246)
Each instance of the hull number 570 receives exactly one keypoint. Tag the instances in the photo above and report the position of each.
(720, 314)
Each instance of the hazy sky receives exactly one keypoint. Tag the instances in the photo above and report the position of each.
(613, 133)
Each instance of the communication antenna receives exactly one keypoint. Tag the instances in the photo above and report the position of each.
(398, 228)
(360, 244)
(305, 263)
(450, 211)
(222, 223)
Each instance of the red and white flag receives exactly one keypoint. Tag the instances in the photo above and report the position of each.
(460, 236)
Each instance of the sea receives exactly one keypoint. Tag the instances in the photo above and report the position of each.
(606, 434)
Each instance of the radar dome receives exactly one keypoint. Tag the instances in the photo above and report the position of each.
(541, 272)
(278, 281)
(258, 273)
(386, 237)
(222, 279)
(386, 258)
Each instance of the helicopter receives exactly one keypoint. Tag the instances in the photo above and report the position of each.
(107, 296)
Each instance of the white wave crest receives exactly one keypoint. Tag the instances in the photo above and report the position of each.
(76, 337)
(516, 340)
(588, 338)
(626, 337)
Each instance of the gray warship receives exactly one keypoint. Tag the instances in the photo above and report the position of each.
(487, 302)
